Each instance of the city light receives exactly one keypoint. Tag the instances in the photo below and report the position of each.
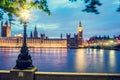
(18, 35)
(112, 58)
(111, 42)
(25, 15)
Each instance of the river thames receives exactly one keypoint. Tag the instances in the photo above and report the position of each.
(65, 60)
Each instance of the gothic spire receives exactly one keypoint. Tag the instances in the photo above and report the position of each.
(35, 28)
(31, 35)
(35, 32)
(61, 35)
(80, 25)
(6, 23)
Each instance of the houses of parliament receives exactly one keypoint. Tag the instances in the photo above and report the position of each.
(43, 41)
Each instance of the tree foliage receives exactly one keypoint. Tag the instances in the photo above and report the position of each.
(92, 5)
(13, 7)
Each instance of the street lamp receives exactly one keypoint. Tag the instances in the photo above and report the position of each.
(24, 60)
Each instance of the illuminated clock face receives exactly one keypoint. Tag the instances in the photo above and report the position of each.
(79, 28)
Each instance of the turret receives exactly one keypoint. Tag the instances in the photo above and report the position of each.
(42, 36)
(68, 36)
(5, 29)
(61, 36)
(31, 35)
(6, 23)
(35, 32)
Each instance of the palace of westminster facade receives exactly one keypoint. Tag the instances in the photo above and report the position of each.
(34, 41)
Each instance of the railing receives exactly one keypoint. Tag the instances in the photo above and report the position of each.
(5, 75)
(75, 76)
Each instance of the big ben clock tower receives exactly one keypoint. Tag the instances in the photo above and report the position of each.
(80, 36)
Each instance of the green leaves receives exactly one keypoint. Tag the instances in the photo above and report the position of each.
(2, 3)
(1, 14)
(41, 5)
(90, 6)
(13, 7)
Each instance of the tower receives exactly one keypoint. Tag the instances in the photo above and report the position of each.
(35, 32)
(80, 36)
(31, 35)
(42, 36)
(68, 37)
(5, 29)
(61, 36)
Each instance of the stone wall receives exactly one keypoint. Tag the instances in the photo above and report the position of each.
(75, 76)
(4, 75)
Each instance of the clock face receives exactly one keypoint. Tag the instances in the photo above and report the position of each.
(79, 28)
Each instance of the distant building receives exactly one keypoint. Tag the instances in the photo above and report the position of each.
(77, 40)
(72, 42)
(42, 36)
(96, 38)
(43, 41)
(5, 29)
(100, 42)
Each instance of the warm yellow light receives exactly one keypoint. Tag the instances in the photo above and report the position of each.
(112, 58)
(18, 35)
(79, 28)
(111, 41)
(80, 60)
(25, 15)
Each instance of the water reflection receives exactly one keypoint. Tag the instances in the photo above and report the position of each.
(112, 59)
(68, 60)
(49, 58)
(80, 60)
(101, 52)
(47, 51)
(7, 56)
(89, 60)
(90, 51)
(101, 58)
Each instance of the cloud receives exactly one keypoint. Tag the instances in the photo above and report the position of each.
(47, 26)
(56, 4)
(116, 2)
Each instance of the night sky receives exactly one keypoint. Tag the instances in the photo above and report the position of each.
(66, 16)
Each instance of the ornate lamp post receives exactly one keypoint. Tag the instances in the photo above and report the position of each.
(24, 60)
